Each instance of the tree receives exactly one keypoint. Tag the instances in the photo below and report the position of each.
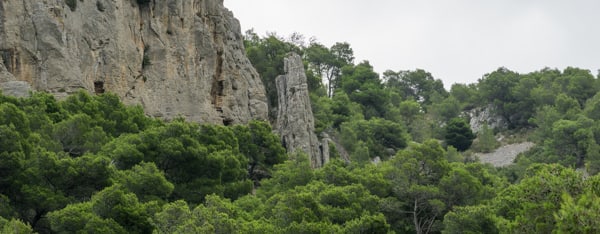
(529, 206)
(172, 217)
(362, 85)
(14, 226)
(578, 215)
(78, 135)
(123, 207)
(486, 141)
(291, 173)
(446, 109)
(12, 159)
(570, 143)
(379, 136)
(419, 200)
(419, 85)
(266, 55)
(10, 114)
(580, 84)
(262, 148)
(459, 134)
(146, 181)
(466, 95)
(328, 62)
(592, 107)
(470, 219)
(497, 88)
(79, 217)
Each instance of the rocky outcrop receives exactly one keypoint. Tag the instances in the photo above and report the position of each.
(15, 88)
(295, 121)
(176, 58)
(485, 115)
(505, 155)
(324, 148)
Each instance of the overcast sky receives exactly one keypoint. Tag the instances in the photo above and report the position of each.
(458, 41)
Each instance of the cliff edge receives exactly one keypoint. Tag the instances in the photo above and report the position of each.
(176, 58)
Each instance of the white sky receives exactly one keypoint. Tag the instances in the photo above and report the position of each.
(458, 41)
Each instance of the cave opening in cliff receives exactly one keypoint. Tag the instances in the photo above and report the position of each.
(227, 121)
(99, 87)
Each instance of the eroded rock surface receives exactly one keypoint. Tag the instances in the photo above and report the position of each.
(174, 57)
(505, 155)
(295, 121)
(486, 115)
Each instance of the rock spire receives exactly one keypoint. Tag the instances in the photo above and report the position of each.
(295, 121)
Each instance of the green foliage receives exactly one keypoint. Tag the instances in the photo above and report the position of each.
(362, 85)
(529, 206)
(260, 146)
(80, 218)
(198, 159)
(327, 63)
(56, 154)
(486, 141)
(113, 203)
(373, 138)
(418, 85)
(291, 173)
(445, 110)
(470, 219)
(93, 165)
(146, 181)
(266, 55)
(14, 226)
(459, 134)
(578, 216)
(467, 95)
(110, 211)
(496, 88)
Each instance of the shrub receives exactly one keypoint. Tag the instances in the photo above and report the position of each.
(459, 134)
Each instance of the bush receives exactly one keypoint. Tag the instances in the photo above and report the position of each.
(459, 134)
(486, 141)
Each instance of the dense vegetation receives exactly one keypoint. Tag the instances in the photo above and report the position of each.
(90, 164)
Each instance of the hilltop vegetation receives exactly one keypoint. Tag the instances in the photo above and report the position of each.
(562, 108)
(91, 164)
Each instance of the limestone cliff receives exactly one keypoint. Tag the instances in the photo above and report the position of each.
(295, 121)
(485, 115)
(174, 57)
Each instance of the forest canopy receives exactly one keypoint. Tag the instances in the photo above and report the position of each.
(402, 157)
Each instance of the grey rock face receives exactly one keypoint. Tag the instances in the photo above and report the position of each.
(176, 58)
(486, 115)
(15, 88)
(295, 122)
(324, 148)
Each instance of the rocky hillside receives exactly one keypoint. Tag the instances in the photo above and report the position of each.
(173, 57)
(505, 155)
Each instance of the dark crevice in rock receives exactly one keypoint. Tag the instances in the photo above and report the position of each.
(10, 58)
(99, 87)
